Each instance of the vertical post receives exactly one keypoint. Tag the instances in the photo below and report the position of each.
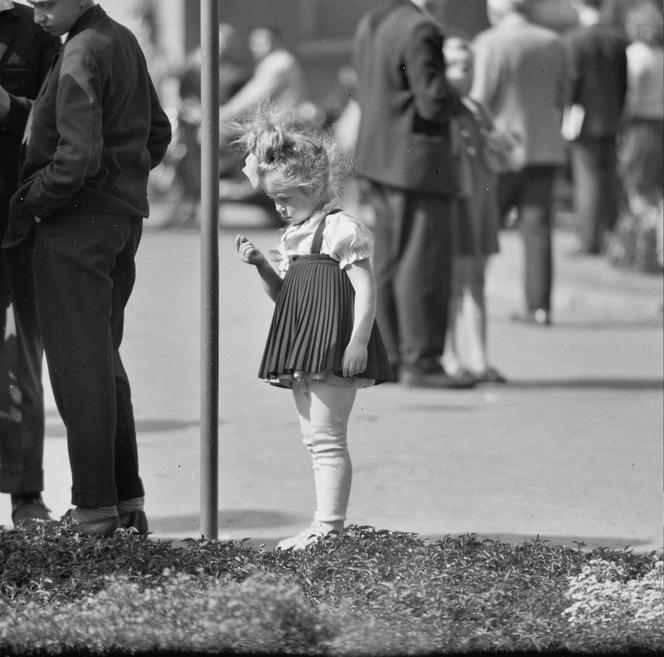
(209, 446)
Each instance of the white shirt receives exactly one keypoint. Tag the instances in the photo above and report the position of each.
(345, 240)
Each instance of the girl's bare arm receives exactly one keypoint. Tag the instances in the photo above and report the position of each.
(253, 256)
(364, 312)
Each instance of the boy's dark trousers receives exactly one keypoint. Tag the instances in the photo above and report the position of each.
(84, 274)
(21, 390)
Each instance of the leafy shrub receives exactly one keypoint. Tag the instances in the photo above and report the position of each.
(370, 592)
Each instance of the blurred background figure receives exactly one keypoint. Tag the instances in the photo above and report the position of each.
(638, 239)
(184, 154)
(406, 170)
(520, 76)
(26, 52)
(278, 77)
(278, 80)
(597, 84)
(476, 213)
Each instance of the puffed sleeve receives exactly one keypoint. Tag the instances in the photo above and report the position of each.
(347, 240)
(277, 255)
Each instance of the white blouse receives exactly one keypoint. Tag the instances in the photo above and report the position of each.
(345, 240)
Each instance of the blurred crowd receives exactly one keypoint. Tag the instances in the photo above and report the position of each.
(608, 177)
(556, 126)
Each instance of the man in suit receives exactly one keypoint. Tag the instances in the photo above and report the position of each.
(25, 55)
(520, 74)
(95, 130)
(405, 168)
(597, 85)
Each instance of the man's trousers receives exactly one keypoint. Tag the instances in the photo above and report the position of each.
(413, 269)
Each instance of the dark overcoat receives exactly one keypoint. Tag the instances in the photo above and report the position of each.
(405, 99)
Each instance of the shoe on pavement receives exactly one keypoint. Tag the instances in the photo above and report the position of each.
(103, 527)
(539, 317)
(436, 379)
(134, 520)
(313, 533)
(29, 508)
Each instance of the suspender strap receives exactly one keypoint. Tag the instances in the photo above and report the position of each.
(317, 243)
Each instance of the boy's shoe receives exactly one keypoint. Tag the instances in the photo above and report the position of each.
(134, 520)
(314, 532)
(29, 508)
(103, 527)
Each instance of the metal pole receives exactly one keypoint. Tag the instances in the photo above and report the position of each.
(209, 267)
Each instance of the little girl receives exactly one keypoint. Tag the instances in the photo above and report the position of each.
(323, 342)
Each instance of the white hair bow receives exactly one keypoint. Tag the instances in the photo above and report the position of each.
(251, 169)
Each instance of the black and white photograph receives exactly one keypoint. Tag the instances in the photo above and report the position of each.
(331, 327)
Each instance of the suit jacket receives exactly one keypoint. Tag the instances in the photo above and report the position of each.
(405, 99)
(520, 77)
(598, 78)
(97, 129)
(26, 52)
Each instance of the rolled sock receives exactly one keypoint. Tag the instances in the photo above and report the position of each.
(134, 504)
(92, 513)
(24, 498)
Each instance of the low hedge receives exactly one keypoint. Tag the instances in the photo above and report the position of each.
(372, 592)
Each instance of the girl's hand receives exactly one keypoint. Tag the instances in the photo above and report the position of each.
(355, 359)
(248, 252)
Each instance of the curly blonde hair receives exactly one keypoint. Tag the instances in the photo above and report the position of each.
(292, 152)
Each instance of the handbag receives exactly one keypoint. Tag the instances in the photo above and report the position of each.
(504, 151)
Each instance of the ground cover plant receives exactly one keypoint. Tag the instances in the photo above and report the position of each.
(368, 593)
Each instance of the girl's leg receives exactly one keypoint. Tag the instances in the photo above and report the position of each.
(324, 408)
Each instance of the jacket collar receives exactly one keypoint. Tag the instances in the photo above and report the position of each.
(87, 19)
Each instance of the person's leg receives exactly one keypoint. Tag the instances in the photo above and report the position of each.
(611, 188)
(507, 191)
(423, 277)
(588, 188)
(451, 359)
(74, 263)
(323, 409)
(123, 275)
(386, 235)
(474, 317)
(536, 229)
(22, 395)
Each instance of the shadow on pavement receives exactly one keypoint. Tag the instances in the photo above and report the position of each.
(590, 383)
(228, 520)
(609, 324)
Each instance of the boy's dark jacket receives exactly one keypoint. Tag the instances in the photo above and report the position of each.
(96, 130)
(25, 56)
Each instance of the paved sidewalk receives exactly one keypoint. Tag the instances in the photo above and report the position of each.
(570, 449)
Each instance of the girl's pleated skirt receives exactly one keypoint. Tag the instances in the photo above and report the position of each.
(312, 325)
